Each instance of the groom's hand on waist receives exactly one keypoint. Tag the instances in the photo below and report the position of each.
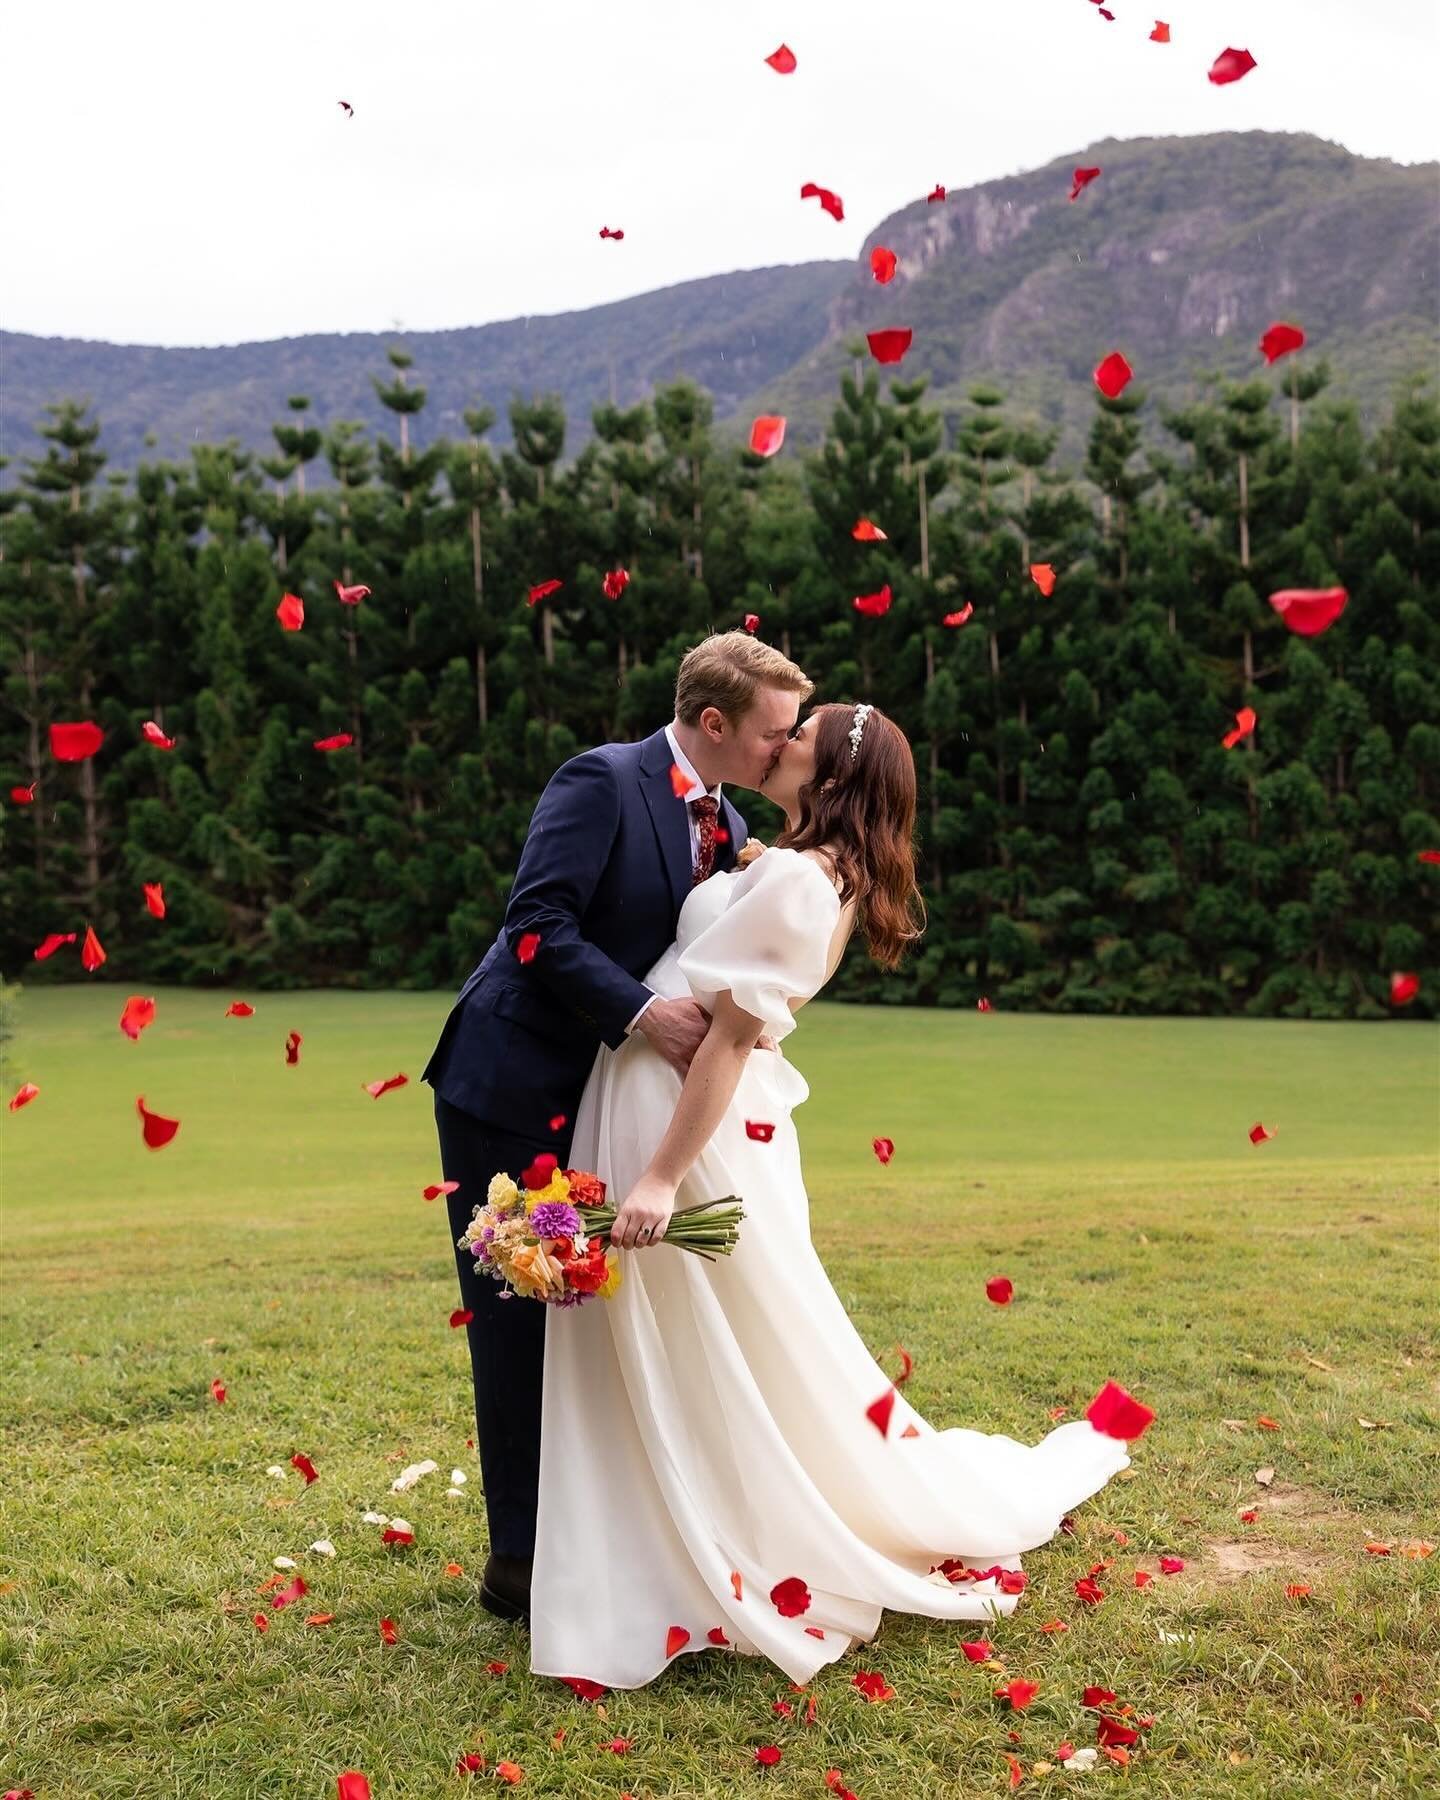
(676, 1028)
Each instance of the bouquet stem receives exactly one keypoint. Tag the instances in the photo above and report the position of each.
(710, 1228)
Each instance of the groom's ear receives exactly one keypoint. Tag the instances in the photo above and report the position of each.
(713, 722)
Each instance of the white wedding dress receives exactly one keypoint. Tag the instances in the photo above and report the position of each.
(710, 1417)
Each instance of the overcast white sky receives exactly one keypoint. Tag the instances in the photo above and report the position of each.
(179, 171)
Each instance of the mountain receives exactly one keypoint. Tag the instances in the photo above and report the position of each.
(1179, 254)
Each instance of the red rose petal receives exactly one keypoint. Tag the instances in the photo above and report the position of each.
(829, 200)
(962, 617)
(883, 264)
(606, 232)
(391, 1536)
(217, 1389)
(583, 1688)
(1118, 1414)
(790, 1597)
(1309, 611)
(1259, 1133)
(1244, 725)
(1143, 1577)
(1161, 33)
(782, 61)
(1404, 986)
(75, 741)
(352, 1784)
(461, 1316)
(537, 1174)
(152, 734)
(558, 1122)
(1082, 180)
(1113, 375)
(436, 1189)
(936, 193)
(293, 1041)
(752, 621)
(890, 345)
(1000, 1289)
(239, 1009)
(680, 782)
(1096, 1696)
(1053, 1626)
(295, 1591)
(155, 898)
(1089, 1590)
(767, 1756)
(759, 1131)
(24, 796)
(874, 606)
(23, 1095)
(878, 1412)
(511, 1771)
(342, 740)
(884, 1148)
(542, 591)
(156, 1129)
(1044, 578)
(1280, 339)
(736, 1584)
(676, 1638)
(872, 1685)
(866, 531)
(907, 1366)
(139, 1012)
(388, 1633)
(983, 1005)
(1230, 65)
(351, 596)
(615, 583)
(376, 1088)
(1018, 1693)
(767, 434)
(980, 1650)
(291, 612)
(909, 1431)
(526, 948)
(303, 1463)
(1169, 1565)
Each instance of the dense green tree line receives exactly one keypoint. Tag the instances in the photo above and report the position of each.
(1087, 841)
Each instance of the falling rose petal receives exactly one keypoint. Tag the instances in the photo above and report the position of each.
(829, 200)
(615, 583)
(872, 1685)
(1244, 725)
(376, 1088)
(1113, 375)
(388, 1633)
(936, 193)
(23, 1095)
(866, 531)
(152, 734)
(461, 1316)
(676, 1638)
(907, 1366)
(1428, 856)
(1230, 65)
(1404, 986)
(436, 1189)
(983, 1005)
(307, 1468)
(1260, 1133)
(909, 1431)
(51, 942)
(736, 1585)
(759, 1131)
(606, 232)
(782, 61)
(963, 617)
(342, 740)
(1280, 339)
(767, 434)
(295, 1591)
(1169, 1565)
(156, 1129)
(884, 1148)
(138, 1013)
(24, 796)
(680, 782)
(92, 953)
(1117, 1414)
(526, 948)
(1161, 33)
(349, 112)
(1309, 611)
(790, 1597)
(155, 898)
(558, 1122)
(878, 1412)
(752, 622)
(217, 1389)
(293, 1041)
(874, 606)
(291, 612)
(1082, 180)
(1018, 1693)
(537, 1175)
(890, 345)
(239, 1009)
(883, 264)
(75, 741)
(1000, 1289)
(1044, 578)
(351, 596)
(542, 591)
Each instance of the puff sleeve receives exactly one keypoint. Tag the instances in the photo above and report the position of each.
(770, 944)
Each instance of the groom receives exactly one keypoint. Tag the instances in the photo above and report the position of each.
(618, 838)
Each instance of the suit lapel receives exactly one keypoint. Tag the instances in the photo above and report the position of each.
(667, 815)
(726, 853)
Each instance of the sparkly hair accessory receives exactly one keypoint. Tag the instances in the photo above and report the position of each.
(857, 730)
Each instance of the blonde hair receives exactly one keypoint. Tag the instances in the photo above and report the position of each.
(726, 669)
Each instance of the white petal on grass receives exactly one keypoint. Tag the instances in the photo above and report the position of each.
(407, 1478)
(284, 1562)
(323, 1547)
(458, 1478)
(374, 1518)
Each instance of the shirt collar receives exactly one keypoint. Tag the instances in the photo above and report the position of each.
(688, 769)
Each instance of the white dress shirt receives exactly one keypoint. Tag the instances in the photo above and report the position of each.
(698, 787)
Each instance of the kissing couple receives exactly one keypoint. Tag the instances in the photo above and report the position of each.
(697, 1463)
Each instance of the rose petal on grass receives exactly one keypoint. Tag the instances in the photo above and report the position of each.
(873, 1685)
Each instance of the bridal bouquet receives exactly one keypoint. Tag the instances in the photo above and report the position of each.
(548, 1238)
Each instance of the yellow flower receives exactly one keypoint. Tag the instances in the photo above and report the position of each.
(502, 1193)
(556, 1188)
(614, 1278)
(535, 1271)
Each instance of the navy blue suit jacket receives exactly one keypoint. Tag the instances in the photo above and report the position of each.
(602, 877)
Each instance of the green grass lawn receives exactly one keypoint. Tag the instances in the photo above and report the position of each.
(281, 1244)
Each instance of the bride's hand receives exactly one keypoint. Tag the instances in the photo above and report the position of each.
(642, 1219)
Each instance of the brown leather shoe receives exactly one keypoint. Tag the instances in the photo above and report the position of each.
(505, 1587)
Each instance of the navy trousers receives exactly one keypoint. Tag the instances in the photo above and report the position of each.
(507, 1337)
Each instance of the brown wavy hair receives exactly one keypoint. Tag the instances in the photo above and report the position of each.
(862, 815)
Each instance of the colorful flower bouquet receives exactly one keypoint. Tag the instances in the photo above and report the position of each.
(549, 1237)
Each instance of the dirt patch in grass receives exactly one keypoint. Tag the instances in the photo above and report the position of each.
(1229, 1560)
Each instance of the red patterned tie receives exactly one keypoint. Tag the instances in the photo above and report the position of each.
(706, 810)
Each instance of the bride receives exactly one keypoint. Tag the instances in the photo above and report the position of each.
(711, 1475)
